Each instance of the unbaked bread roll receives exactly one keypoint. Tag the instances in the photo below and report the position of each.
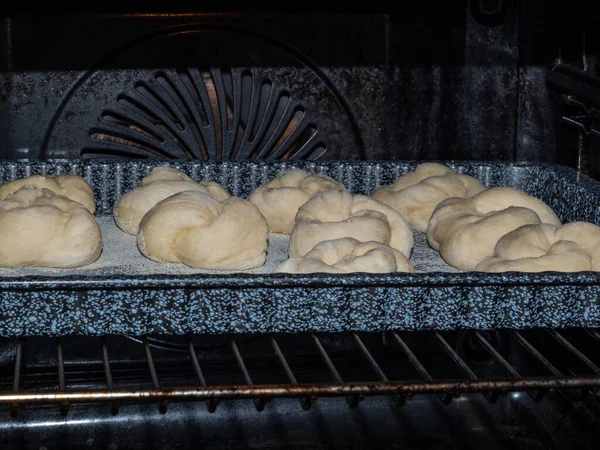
(73, 187)
(573, 247)
(160, 183)
(195, 229)
(416, 194)
(337, 214)
(41, 228)
(279, 199)
(347, 255)
(466, 230)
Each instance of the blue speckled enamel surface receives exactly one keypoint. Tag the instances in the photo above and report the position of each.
(136, 305)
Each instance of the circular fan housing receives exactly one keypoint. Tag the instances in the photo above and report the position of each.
(218, 111)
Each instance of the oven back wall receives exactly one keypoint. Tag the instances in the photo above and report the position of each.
(438, 82)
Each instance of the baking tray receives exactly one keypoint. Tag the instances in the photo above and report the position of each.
(168, 301)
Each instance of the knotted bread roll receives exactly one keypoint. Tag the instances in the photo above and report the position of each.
(41, 228)
(73, 187)
(416, 194)
(346, 255)
(573, 247)
(466, 230)
(160, 183)
(195, 229)
(337, 214)
(279, 199)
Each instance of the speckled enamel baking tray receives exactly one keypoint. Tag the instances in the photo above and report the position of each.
(120, 300)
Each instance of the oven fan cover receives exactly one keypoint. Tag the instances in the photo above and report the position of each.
(251, 98)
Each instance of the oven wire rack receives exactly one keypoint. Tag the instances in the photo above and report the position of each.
(353, 365)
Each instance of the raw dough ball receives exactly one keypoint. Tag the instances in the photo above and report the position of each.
(465, 231)
(346, 255)
(279, 199)
(195, 229)
(164, 173)
(416, 194)
(337, 214)
(40, 228)
(73, 187)
(160, 183)
(573, 247)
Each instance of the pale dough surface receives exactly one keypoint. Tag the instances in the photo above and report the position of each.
(572, 247)
(416, 194)
(337, 214)
(121, 258)
(162, 182)
(466, 230)
(73, 187)
(347, 255)
(41, 228)
(279, 199)
(199, 231)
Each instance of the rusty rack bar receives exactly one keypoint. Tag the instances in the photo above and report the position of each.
(295, 391)
(351, 365)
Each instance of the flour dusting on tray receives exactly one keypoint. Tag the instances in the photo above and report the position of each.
(120, 256)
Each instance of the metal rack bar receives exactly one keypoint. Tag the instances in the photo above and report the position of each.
(290, 391)
(445, 397)
(569, 346)
(400, 400)
(369, 357)
(259, 403)
(457, 359)
(305, 402)
(327, 360)
(543, 360)
(164, 404)
(106, 363)
(210, 404)
(150, 361)
(496, 355)
(537, 395)
(64, 406)
(61, 365)
(114, 407)
(352, 401)
(536, 354)
(490, 396)
(16, 375)
(594, 334)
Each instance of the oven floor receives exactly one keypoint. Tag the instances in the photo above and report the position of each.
(515, 421)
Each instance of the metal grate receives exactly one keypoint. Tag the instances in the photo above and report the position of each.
(304, 366)
(577, 95)
(205, 114)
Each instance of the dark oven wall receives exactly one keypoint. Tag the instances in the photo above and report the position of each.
(465, 80)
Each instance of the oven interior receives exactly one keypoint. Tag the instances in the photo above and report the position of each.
(473, 80)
